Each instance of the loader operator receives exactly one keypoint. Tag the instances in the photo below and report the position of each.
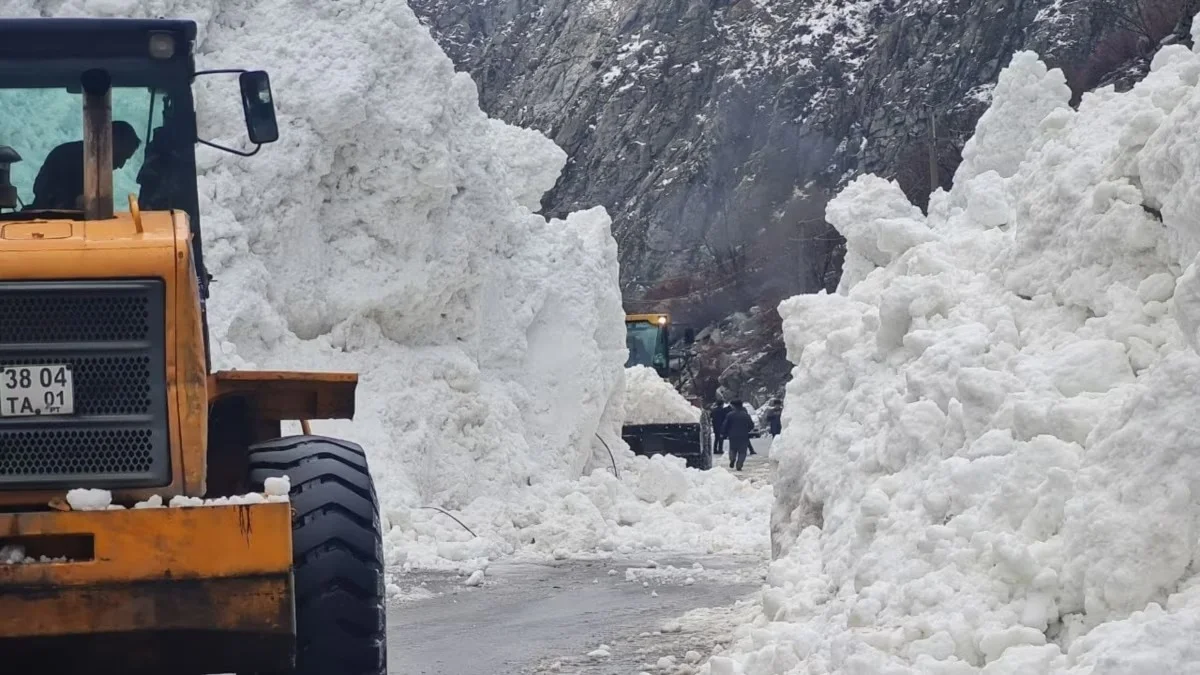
(59, 184)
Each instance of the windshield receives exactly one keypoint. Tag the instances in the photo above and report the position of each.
(44, 126)
(646, 344)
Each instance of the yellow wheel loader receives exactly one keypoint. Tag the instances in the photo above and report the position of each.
(648, 341)
(106, 383)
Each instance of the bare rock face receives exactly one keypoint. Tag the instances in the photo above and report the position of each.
(715, 131)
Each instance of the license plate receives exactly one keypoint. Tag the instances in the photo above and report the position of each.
(36, 390)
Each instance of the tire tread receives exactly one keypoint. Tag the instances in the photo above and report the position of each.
(341, 618)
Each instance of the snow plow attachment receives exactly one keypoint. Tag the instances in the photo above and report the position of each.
(693, 442)
(165, 590)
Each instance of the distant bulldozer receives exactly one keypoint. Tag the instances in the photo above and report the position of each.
(648, 338)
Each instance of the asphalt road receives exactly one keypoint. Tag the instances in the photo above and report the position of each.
(547, 618)
(528, 618)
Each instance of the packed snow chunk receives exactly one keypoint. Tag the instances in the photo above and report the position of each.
(12, 554)
(476, 579)
(1025, 94)
(987, 466)
(154, 502)
(1088, 366)
(1149, 641)
(1187, 304)
(1157, 288)
(664, 480)
(987, 204)
(87, 499)
(277, 487)
(650, 399)
(877, 220)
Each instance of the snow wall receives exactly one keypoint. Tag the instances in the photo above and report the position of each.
(391, 231)
(990, 460)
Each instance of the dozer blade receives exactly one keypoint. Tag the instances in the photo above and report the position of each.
(168, 590)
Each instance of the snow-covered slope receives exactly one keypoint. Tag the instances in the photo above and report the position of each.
(649, 399)
(389, 232)
(989, 459)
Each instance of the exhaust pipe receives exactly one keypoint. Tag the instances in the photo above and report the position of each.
(97, 145)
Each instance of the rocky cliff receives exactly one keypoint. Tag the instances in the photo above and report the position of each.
(715, 131)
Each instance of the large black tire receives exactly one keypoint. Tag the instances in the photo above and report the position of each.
(337, 549)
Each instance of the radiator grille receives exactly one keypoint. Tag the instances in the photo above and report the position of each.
(41, 317)
(111, 335)
(77, 451)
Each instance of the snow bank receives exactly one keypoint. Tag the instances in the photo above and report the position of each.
(391, 232)
(649, 399)
(988, 463)
(657, 505)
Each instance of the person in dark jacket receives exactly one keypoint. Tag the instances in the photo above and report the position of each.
(774, 417)
(59, 183)
(719, 412)
(737, 427)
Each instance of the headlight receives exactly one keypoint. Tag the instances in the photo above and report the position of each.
(162, 45)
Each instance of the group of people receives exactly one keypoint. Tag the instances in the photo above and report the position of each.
(735, 424)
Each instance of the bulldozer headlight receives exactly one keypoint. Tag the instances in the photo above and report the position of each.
(162, 45)
(662, 320)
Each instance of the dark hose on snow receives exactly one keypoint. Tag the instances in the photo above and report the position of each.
(434, 508)
(610, 456)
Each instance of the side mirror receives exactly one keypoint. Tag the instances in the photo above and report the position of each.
(259, 107)
(689, 336)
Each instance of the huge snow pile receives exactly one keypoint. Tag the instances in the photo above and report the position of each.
(989, 460)
(393, 235)
(649, 399)
(391, 231)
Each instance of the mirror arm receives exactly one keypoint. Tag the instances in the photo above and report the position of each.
(230, 150)
(241, 153)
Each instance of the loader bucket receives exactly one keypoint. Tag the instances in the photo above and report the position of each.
(693, 442)
(178, 590)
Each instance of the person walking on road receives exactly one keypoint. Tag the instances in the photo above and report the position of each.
(737, 428)
(775, 417)
(719, 412)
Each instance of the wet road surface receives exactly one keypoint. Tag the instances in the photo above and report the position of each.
(527, 617)
(546, 618)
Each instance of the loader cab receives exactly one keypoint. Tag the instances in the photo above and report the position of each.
(648, 339)
(147, 67)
